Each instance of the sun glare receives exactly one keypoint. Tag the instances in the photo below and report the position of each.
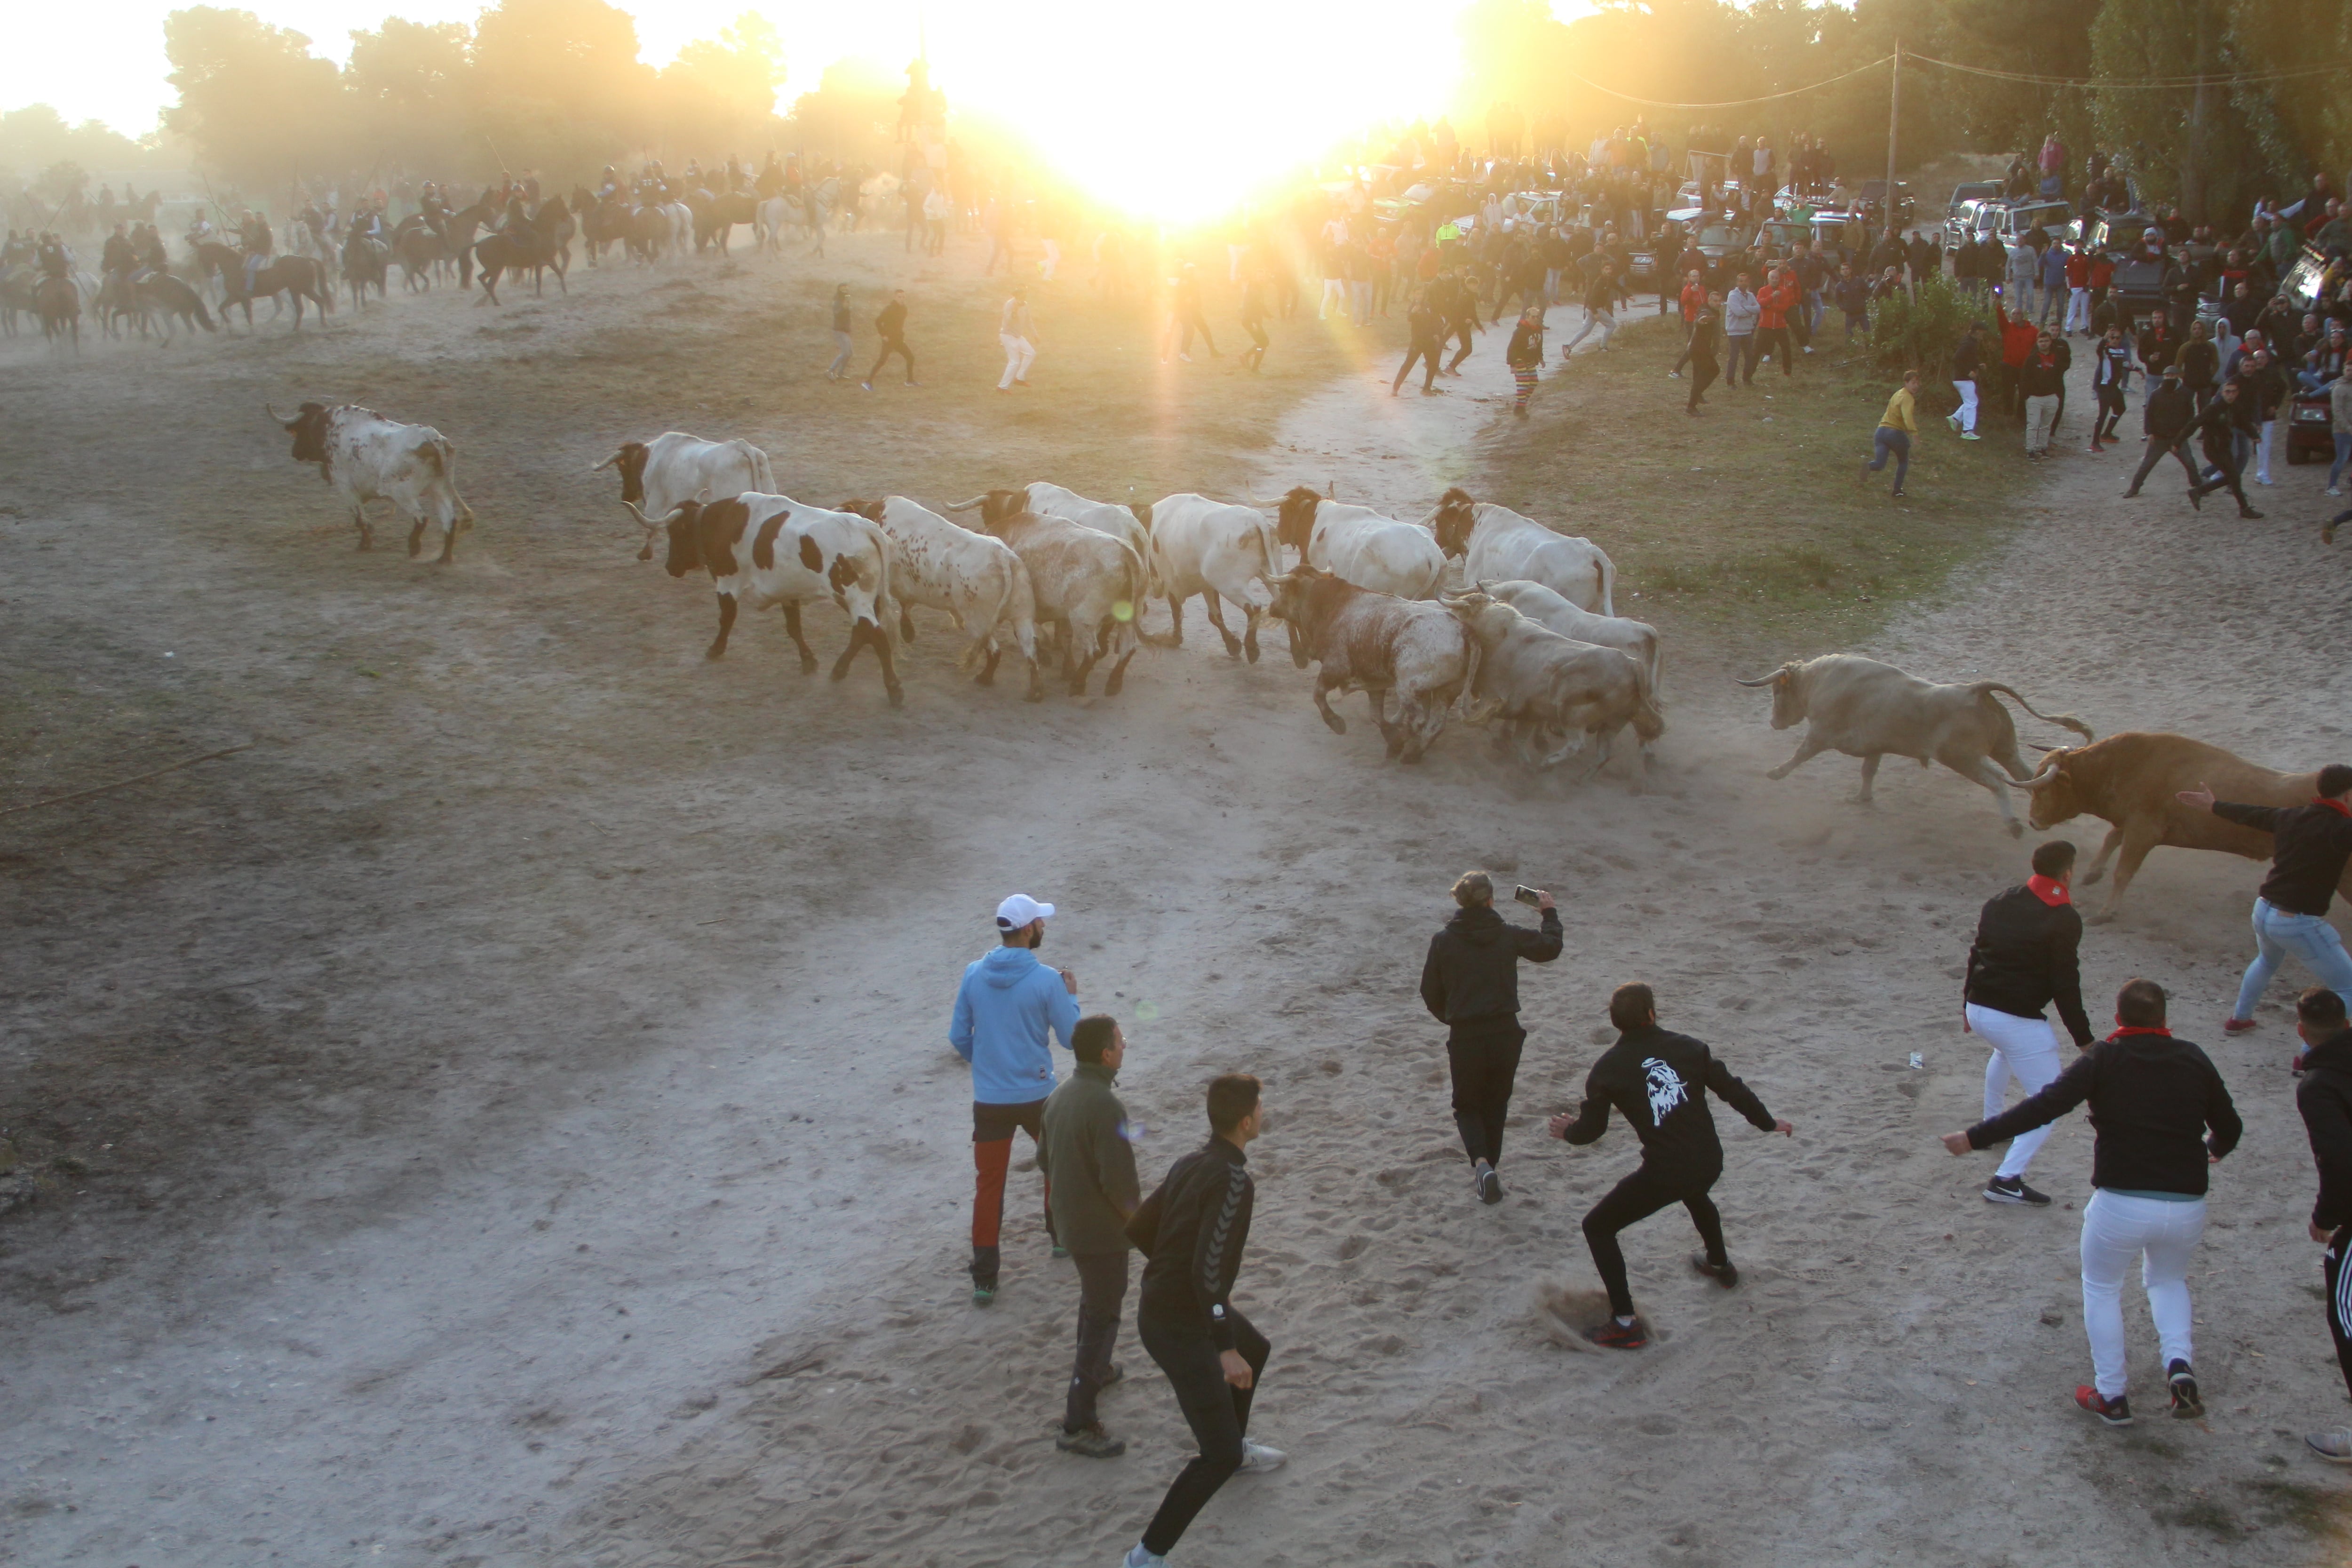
(1178, 114)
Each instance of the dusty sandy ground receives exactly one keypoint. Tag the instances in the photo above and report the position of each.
(506, 1118)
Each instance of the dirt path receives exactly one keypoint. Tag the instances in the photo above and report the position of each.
(542, 1146)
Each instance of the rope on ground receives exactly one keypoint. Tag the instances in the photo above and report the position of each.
(125, 783)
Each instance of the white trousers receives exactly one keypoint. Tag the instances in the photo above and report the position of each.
(2078, 310)
(2263, 449)
(1333, 289)
(1966, 412)
(1020, 353)
(2027, 1050)
(2116, 1230)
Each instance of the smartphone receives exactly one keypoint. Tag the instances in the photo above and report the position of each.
(1527, 895)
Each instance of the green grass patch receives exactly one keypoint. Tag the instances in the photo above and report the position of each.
(1748, 524)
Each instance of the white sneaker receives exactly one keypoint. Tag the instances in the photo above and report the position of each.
(1137, 1557)
(2262, 478)
(2333, 492)
(1257, 1459)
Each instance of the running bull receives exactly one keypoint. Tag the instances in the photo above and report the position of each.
(1868, 710)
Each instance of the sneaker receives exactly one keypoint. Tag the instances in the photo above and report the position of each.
(1953, 420)
(1902, 495)
(1186, 358)
(2249, 514)
(1725, 1274)
(1060, 1251)
(1970, 436)
(2333, 491)
(1257, 1459)
(1090, 1443)
(1138, 1556)
(2335, 1447)
(1616, 1336)
(2013, 1190)
(2262, 478)
(2185, 1406)
(2236, 1026)
(1489, 1186)
(2116, 1412)
(866, 386)
(1677, 376)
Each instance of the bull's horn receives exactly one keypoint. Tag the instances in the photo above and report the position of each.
(273, 414)
(966, 505)
(605, 464)
(651, 524)
(1767, 680)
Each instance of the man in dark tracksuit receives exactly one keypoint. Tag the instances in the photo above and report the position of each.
(1660, 1081)
(2310, 847)
(1192, 1232)
(1089, 1166)
(2024, 960)
(2169, 416)
(892, 325)
(2219, 426)
(1470, 982)
(2324, 1098)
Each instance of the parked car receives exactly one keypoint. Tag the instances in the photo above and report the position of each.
(1873, 201)
(2308, 434)
(2014, 220)
(1977, 218)
(1968, 191)
(1846, 235)
(1781, 235)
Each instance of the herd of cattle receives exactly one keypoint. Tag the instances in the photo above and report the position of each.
(1533, 643)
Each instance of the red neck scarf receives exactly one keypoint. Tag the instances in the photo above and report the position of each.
(2124, 1029)
(2337, 807)
(2052, 893)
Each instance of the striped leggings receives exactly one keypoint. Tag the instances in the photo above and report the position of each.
(1525, 374)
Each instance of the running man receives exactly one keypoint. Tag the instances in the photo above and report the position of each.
(2218, 427)
(1427, 325)
(2310, 846)
(892, 325)
(1702, 358)
(1470, 982)
(2160, 1115)
(1660, 1082)
(1896, 428)
(1254, 314)
(1088, 1144)
(2169, 417)
(843, 344)
(1525, 356)
(1006, 1007)
(1192, 1232)
(2111, 368)
(2324, 1099)
(2024, 960)
(1017, 333)
(1599, 311)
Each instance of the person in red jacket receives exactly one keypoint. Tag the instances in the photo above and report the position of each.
(1775, 300)
(2018, 338)
(2078, 292)
(1694, 300)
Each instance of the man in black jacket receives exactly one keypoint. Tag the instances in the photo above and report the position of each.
(2168, 416)
(2218, 428)
(2324, 1098)
(1192, 1232)
(1470, 982)
(1660, 1082)
(2311, 845)
(2022, 960)
(2162, 1115)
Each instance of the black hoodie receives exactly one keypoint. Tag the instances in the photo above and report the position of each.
(1472, 970)
(2325, 1097)
(2311, 845)
(1660, 1081)
(2153, 1101)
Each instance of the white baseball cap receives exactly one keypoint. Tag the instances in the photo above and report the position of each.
(1019, 909)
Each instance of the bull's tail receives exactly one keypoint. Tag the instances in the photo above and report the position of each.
(1605, 583)
(1985, 689)
(762, 472)
(1468, 703)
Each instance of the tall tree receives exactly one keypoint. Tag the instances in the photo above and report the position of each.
(557, 86)
(254, 100)
(720, 95)
(408, 82)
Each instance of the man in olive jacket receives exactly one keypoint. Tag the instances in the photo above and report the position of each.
(1089, 1160)
(1470, 983)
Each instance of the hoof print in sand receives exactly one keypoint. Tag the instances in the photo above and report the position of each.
(1566, 1313)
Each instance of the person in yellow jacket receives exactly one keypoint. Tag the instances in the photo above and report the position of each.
(1896, 428)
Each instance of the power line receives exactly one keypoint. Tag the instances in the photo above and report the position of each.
(2109, 84)
(1731, 103)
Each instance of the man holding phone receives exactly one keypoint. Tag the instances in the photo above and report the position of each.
(1006, 1010)
(1470, 982)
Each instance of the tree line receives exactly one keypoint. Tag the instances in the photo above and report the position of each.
(2211, 149)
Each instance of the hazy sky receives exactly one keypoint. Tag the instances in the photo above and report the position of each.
(1205, 93)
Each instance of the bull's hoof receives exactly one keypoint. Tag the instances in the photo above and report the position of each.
(646, 554)
(897, 694)
(716, 650)
(1339, 725)
(1115, 684)
(1234, 646)
(2094, 878)
(1036, 693)
(1776, 774)
(2017, 830)
(985, 678)
(2104, 917)
(1250, 650)
(808, 663)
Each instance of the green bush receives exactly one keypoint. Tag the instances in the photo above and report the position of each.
(1919, 330)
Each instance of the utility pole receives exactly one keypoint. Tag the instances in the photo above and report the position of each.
(1893, 120)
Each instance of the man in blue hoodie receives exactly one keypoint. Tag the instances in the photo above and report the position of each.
(1004, 1010)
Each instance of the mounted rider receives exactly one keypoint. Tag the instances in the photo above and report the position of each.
(117, 260)
(52, 257)
(253, 237)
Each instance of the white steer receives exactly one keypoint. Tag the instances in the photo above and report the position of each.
(763, 550)
(365, 457)
(657, 475)
(1359, 545)
(1541, 684)
(1497, 544)
(1637, 640)
(1087, 583)
(1132, 524)
(975, 577)
(1213, 549)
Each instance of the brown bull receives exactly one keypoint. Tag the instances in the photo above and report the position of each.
(2129, 780)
